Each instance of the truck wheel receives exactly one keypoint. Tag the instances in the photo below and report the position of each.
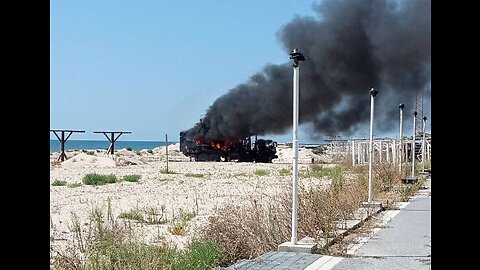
(202, 157)
(214, 157)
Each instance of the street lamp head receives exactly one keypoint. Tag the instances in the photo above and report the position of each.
(415, 113)
(373, 92)
(296, 55)
(401, 106)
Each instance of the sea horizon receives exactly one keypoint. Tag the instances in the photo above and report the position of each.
(104, 144)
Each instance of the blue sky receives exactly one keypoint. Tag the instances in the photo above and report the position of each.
(154, 67)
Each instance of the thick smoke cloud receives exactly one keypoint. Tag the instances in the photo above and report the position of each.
(351, 46)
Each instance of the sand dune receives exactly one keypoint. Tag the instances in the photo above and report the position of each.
(195, 186)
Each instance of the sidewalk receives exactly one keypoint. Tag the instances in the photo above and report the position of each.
(404, 242)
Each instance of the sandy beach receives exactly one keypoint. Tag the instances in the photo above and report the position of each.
(199, 187)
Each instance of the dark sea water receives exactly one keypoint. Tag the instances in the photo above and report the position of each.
(90, 144)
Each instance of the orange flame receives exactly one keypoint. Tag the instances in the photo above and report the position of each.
(218, 144)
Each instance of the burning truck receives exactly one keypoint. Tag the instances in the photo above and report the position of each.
(229, 149)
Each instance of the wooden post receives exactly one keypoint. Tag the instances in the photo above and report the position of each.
(112, 141)
(166, 148)
(62, 140)
(62, 155)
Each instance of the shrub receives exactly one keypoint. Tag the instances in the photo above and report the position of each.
(317, 171)
(59, 183)
(261, 172)
(98, 179)
(285, 172)
(131, 178)
(109, 245)
(197, 175)
(180, 225)
(199, 256)
(386, 176)
(133, 214)
(153, 216)
(427, 165)
(264, 227)
(74, 185)
(165, 171)
(408, 190)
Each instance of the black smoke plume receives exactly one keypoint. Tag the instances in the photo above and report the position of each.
(351, 46)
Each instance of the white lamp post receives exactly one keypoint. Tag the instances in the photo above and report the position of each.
(296, 56)
(373, 93)
(401, 106)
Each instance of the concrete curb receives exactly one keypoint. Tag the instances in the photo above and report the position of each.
(363, 214)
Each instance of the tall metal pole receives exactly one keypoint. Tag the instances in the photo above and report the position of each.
(373, 93)
(296, 56)
(166, 149)
(413, 142)
(401, 106)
